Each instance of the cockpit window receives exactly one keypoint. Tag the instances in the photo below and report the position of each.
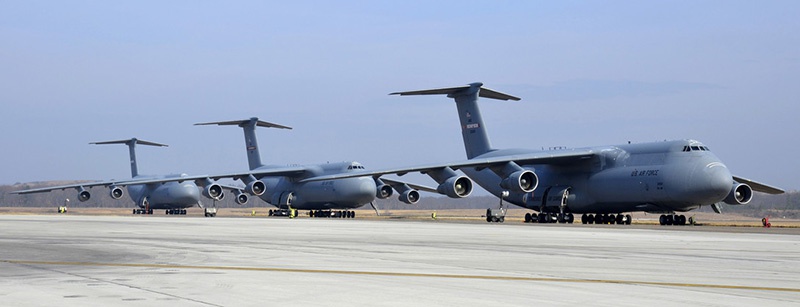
(695, 148)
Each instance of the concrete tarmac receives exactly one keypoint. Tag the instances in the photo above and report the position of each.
(184, 261)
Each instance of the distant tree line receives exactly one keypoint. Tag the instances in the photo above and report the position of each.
(787, 204)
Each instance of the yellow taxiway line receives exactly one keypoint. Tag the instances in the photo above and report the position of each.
(400, 274)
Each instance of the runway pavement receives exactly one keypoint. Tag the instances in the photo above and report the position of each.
(184, 261)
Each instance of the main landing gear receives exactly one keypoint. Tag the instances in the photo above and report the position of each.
(619, 219)
(334, 214)
(142, 211)
(547, 217)
(672, 219)
(176, 211)
(288, 212)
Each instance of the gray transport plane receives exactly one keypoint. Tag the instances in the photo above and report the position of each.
(293, 187)
(601, 183)
(173, 197)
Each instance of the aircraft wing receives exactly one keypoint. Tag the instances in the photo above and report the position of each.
(72, 186)
(199, 180)
(394, 183)
(278, 171)
(563, 157)
(757, 186)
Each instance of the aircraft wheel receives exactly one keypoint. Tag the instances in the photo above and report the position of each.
(628, 219)
(534, 218)
(353, 215)
(570, 218)
(620, 219)
(669, 220)
(598, 218)
(527, 217)
(502, 219)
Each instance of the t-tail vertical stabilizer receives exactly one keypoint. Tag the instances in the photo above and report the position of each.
(132, 149)
(250, 140)
(476, 139)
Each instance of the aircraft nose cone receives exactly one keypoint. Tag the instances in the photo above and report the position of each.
(361, 191)
(713, 184)
(187, 193)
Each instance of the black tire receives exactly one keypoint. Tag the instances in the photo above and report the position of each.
(570, 218)
(620, 219)
(527, 217)
(628, 219)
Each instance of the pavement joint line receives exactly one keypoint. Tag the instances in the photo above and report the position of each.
(401, 274)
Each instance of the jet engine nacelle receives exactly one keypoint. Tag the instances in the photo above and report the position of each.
(116, 192)
(740, 194)
(524, 181)
(384, 191)
(456, 187)
(409, 196)
(84, 195)
(255, 187)
(241, 198)
(213, 191)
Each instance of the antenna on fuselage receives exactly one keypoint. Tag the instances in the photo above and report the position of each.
(476, 140)
(132, 149)
(250, 140)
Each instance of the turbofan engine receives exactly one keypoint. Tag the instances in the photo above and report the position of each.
(84, 195)
(383, 190)
(254, 186)
(213, 191)
(116, 192)
(740, 194)
(409, 196)
(241, 198)
(456, 187)
(524, 181)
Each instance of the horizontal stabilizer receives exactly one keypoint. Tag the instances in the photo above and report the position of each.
(241, 123)
(757, 186)
(484, 92)
(133, 140)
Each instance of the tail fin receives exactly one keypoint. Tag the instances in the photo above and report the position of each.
(476, 140)
(249, 126)
(132, 149)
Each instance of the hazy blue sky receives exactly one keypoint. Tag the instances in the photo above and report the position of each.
(590, 73)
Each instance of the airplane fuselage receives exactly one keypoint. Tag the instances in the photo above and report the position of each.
(345, 193)
(674, 176)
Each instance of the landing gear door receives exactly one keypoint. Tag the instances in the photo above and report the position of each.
(556, 198)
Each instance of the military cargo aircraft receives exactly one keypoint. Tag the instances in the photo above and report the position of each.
(286, 189)
(174, 197)
(601, 183)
